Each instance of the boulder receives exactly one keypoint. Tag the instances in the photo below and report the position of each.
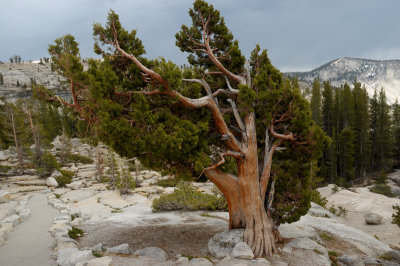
(56, 173)
(81, 256)
(75, 185)
(152, 252)
(4, 196)
(373, 218)
(77, 222)
(393, 255)
(182, 261)
(103, 261)
(372, 262)
(319, 211)
(223, 243)
(64, 256)
(242, 251)
(300, 248)
(51, 182)
(120, 249)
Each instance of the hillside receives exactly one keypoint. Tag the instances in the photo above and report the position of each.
(18, 78)
(374, 74)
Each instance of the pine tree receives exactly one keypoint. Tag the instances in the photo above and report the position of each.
(316, 102)
(396, 134)
(385, 137)
(227, 126)
(361, 133)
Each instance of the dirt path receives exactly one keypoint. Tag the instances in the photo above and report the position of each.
(30, 242)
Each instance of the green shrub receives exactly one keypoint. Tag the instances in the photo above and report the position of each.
(75, 233)
(48, 163)
(381, 178)
(170, 182)
(327, 237)
(318, 199)
(4, 168)
(185, 197)
(382, 189)
(335, 189)
(65, 178)
(396, 215)
(77, 158)
(340, 211)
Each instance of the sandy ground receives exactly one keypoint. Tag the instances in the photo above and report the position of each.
(360, 202)
(30, 242)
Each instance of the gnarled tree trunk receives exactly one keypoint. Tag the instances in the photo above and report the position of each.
(245, 199)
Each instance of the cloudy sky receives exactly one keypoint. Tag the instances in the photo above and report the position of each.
(299, 34)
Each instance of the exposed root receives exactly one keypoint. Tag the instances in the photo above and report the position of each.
(260, 237)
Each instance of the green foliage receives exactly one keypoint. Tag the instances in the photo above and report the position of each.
(396, 215)
(75, 233)
(5, 168)
(335, 189)
(381, 178)
(65, 178)
(185, 197)
(382, 189)
(340, 211)
(327, 237)
(48, 164)
(318, 199)
(170, 182)
(1, 79)
(57, 195)
(77, 158)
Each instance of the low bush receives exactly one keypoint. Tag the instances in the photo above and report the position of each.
(318, 199)
(185, 197)
(396, 215)
(65, 178)
(48, 163)
(77, 158)
(382, 189)
(340, 211)
(75, 233)
(4, 168)
(170, 182)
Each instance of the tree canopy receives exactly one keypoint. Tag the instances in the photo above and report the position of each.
(222, 116)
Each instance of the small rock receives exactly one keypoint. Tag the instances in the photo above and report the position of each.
(222, 244)
(350, 260)
(395, 247)
(103, 261)
(262, 261)
(373, 218)
(51, 182)
(13, 219)
(372, 262)
(98, 247)
(56, 174)
(120, 249)
(25, 214)
(7, 227)
(152, 252)
(75, 185)
(81, 256)
(77, 222)
(4, 196)
(200, 262)
(242, 251)
(182, 261)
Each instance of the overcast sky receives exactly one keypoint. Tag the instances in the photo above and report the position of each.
(299, 34)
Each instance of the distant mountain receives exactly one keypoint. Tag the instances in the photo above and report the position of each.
(373, 74)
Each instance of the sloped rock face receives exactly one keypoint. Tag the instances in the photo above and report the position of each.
(18, 78)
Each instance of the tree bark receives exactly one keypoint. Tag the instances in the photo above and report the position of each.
(244, 197)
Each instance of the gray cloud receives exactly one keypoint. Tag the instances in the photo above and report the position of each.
(299, 35)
